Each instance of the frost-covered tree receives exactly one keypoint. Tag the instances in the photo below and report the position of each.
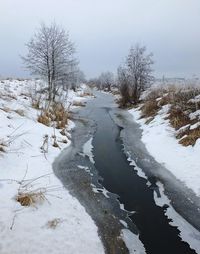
(106, 80)
(139, 66)
(124, 85)
(50, 56)
(137, 71)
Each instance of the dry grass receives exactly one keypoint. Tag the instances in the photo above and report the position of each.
(191, 137)
(115, 92)
(55, 144)
(182, 103)
(2, 149)
(30, 198)
(36, 104)
(44, 118)
(85, 94)
(63, 132)
(151, 104)
(178, 118)
(6, 109)
(150, 108)
(55, 114)
(54, 223)
(19, 112)
(3, 146)
(59, 114)
(150, 119)
(79, 103)
(36, 97)
(166, 99)
(154, 94)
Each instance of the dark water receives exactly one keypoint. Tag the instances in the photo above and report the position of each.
(119, 177)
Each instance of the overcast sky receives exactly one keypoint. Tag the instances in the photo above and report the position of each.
(104, 30)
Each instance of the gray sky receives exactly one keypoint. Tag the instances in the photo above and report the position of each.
(104, 30)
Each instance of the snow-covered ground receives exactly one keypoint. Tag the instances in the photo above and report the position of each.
(55, 222)
(159, 138)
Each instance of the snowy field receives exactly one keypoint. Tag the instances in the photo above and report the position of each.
(54, 222)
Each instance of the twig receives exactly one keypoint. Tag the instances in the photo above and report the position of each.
(35, 179)
(14, 217)
(16, 129)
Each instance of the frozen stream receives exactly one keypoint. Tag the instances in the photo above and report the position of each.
(115, 139)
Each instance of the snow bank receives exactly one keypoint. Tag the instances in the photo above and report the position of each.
(160, 141)
(57, 222)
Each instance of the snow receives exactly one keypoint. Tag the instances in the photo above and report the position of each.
(160, 141)
(196, 99)
(56, 222)
(101, 190)
(132, 242)
(194, 126)
(87, 150)
(187, 232)
(124, 223)
(195, 114)
(139, 171)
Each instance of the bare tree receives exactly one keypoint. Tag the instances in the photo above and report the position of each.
(93, 82)
(124, 86)
(137, 72)
(50, 56)
(106, 80)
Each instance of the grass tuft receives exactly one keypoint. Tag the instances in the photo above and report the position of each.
(191, 138)
(178, 118)
(44, 118)
(53, 223)
(55, 114)
(150, 108)
(30, 198)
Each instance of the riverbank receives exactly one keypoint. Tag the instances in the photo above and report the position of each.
(38, 215)
(170, 122)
